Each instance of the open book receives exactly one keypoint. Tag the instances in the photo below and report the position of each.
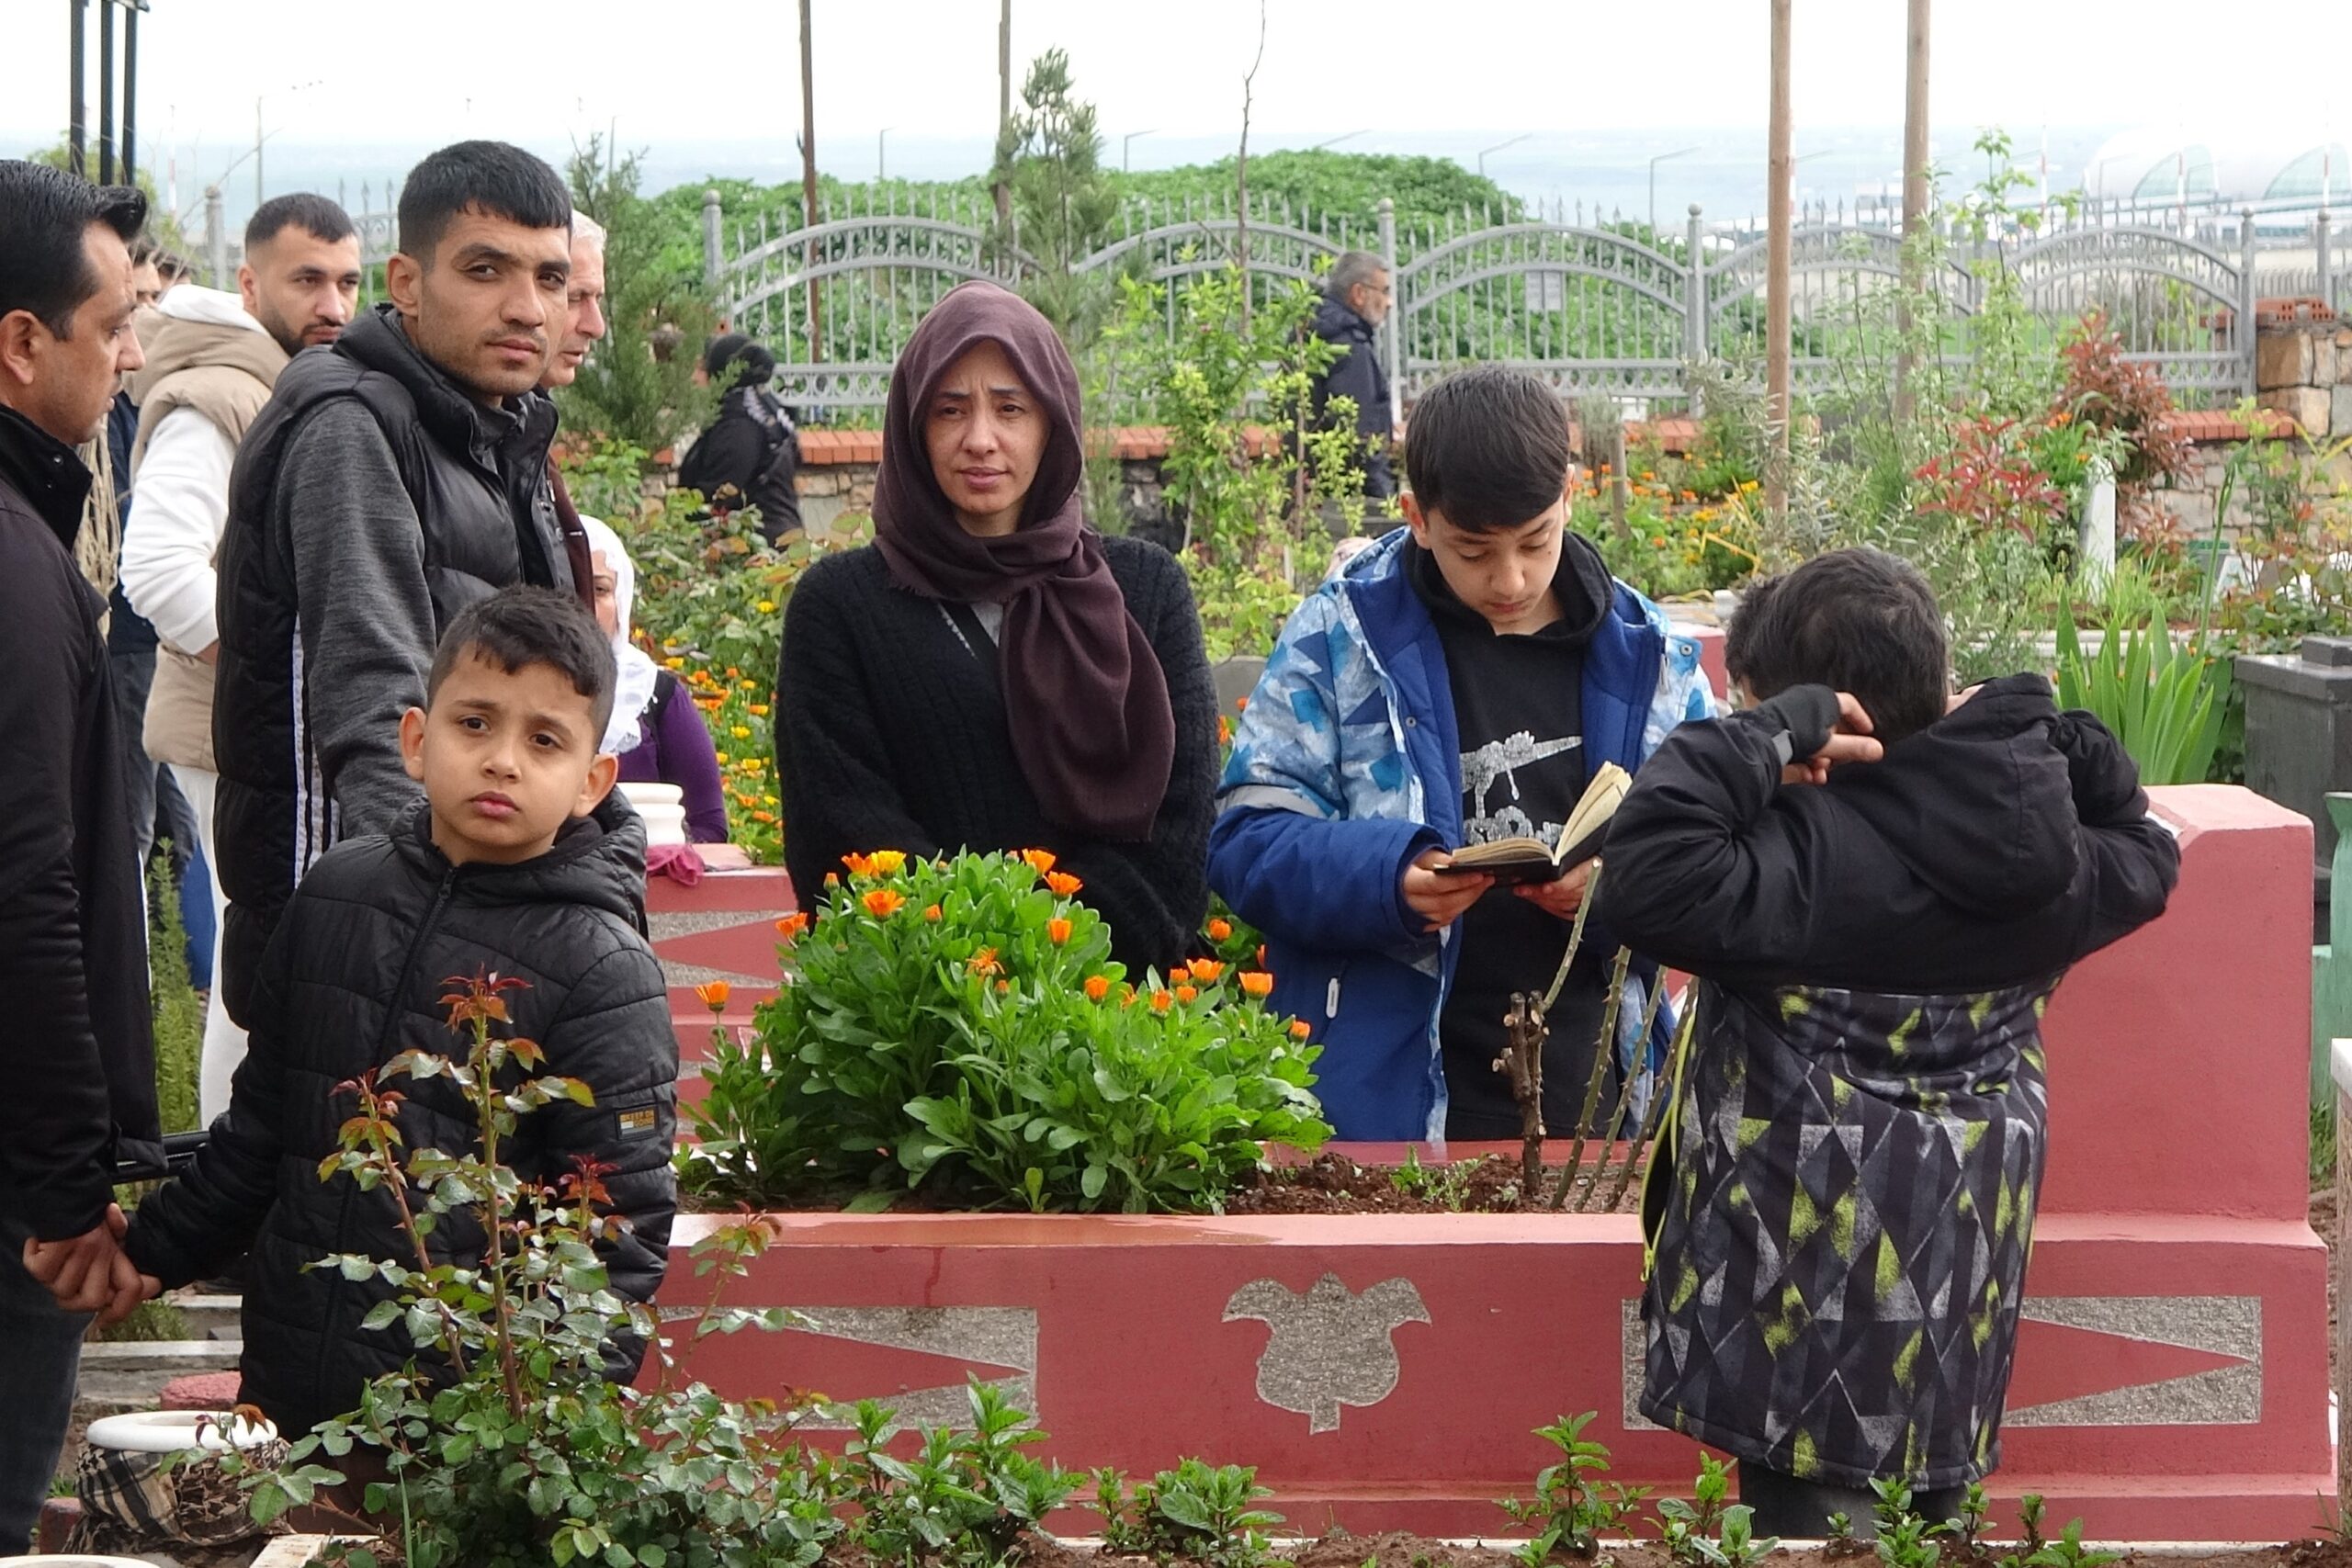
(1513, 861)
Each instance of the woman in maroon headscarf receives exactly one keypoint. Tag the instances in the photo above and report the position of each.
(992, 674)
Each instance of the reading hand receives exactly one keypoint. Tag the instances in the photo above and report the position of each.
(1561, 898)
(1440, 900)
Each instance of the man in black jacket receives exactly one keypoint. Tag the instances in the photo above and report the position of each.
(396, 477)
(78, 1051)
(750, 454)
(1355, 302)
(1878, 886)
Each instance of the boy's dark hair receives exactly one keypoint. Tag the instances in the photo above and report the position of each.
(1854, 620)
(1488, 448)
(44, 212)
(492, 177)
(517, 627)
(314, 215)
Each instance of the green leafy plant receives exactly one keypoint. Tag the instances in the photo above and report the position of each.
(963, 1499)
(1966, 1528)
(1447, 1186)
(1905, 1540)
(1739, 1546)
(2164, 701)
(1197, 1513)
(506, 1443)
(1684, 1525)
(1841, 1540)
(2069, 1552)
(960, 1026)
(1572, 1508)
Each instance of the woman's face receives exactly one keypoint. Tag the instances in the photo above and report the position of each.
(985, 433)
(608, 607)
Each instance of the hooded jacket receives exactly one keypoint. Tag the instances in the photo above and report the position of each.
(79, 1050)
(1358, 374)
(372, 500)
(749, 456)
(1841, 1231)
(356, 976)
(209, 374)
(1346, 766)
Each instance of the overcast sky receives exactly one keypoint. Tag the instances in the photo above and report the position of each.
(711, 87)
(710, 69)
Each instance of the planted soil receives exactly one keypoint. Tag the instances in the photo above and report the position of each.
(1398, 1550)
(1330, 1184)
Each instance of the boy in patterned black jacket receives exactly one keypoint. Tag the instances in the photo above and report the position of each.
(1878, 886)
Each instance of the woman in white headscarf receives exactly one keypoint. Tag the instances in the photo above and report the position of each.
(656, 729)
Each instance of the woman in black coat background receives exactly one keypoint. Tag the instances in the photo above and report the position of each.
(991, 674)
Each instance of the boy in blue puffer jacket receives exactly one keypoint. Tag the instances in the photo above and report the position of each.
(1458, 685)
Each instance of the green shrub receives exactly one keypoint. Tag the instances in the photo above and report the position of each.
(2164, 700)
(178, 1011)
(958, 1026)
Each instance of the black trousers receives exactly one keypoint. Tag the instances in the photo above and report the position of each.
(1800, 1510)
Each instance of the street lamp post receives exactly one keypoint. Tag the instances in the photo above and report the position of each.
(1678, 153)
(1499, 147)
(1128, 142)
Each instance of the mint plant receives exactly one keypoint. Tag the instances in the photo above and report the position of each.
(1195, 1513)
(1905, 1540)
(1571, 1510)
(964, 1500)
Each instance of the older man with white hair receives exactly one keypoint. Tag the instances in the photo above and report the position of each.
(586, 327)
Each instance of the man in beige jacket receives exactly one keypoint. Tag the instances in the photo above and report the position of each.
(210, 369)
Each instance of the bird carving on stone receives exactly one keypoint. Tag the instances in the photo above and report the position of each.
(1328, 1346)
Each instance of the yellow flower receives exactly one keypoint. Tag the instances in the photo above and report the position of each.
(675, 662)
(765, 606)
(759, 710)
(743, 732)
(722, 758)
(887, 862)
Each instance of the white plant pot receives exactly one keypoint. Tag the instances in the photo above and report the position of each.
(660, 806)
(175, 1431)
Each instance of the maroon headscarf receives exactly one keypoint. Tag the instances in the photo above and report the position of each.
(1083, 691)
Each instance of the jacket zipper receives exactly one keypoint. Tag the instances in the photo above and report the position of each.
(391, 1022)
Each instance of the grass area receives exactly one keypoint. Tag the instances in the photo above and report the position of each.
(2323, 1144)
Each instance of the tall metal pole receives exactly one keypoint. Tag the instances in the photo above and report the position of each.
(106, 91)
(1779, 174)
(77, 105)
(131, 94)
(257, 137)
(808, 173)
(1914, 198)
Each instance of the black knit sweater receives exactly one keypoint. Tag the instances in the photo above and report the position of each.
(891, 734)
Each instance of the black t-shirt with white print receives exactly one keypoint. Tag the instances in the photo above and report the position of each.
(1518, 704)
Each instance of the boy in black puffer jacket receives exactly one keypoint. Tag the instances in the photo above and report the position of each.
(1878, 886)
(517, 862)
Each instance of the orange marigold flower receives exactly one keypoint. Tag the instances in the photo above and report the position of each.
(1298, 1030)
(1126, 996)
(1063, 882)
(1002, 987)
(712, 994)
(1241, 705)
(932, 914)
(1257, 983)
(984, 962)
(1040, 861)
(882, 903)
(887, 862)
(1187, 993)
(1262, 955)
(1206, 970)
(791, 926)
(1097, 987)
(833, 879)
(763, 816)
(1161, 1001)
(1220, 930)
(1057, 931)
(1224, 730)
(859, 865)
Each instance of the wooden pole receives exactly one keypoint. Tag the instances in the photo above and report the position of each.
(76, 101)
(1780, 168)
(1915, 198)
(1004, 115)
(808, 174)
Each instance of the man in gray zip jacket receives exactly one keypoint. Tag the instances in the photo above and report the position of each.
(396, 477)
